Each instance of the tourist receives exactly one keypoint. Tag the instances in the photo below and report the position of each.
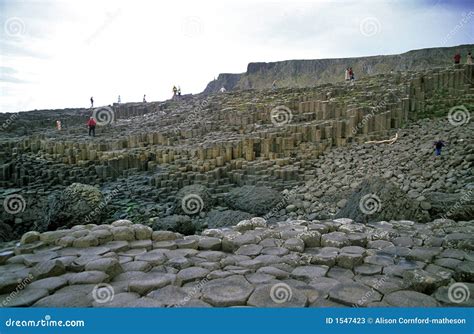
(222, 90)
(274, 85)
(179, 91)
(91, 123)
(438, 146)
(175, 90)
(144, 98)
(469, 58)
(346, 74)
(58, 125)
(118, 101)
(457, 58)
(92, 102)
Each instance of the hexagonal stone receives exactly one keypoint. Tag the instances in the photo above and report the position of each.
(341, 274)
(145, 302)
(33, 259)
(186, 243)
(448, 262)
(334, 239)
(209, 243)
(368, 269)
(379, 244)
(465, 272)
(137, 266)
(308, 273)
(163, 235)
(259, 278)
(73, 299)
(51, 283)
(405, 298)
(179, 262)
(143, 244)
(117, 246)
(87, 277)
(229, 291)
(275, 272)
(354, 294)
(403, 241)
(249, 250)
(145, 284)
(48, 269)
(349, 260)
(123, 233)
(119, 300)
(461, 295)
(277, 295)
(191, 274)
(152, 257)
(130, 275)
(87, 241)
(423, 281)
(169, 244)
(142, 232)
(324, 284)
(379, 260)
(382, 283)
(170, 295)
(110, 266)
(310, 238)
(423, 254)
(453, 253)
(294, 245)
(212, 256)
(30, 237)
(8, 282)
(5, 255)
(278, 251)
(25, 297)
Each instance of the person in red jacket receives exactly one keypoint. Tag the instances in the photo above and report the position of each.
(91, 123)
(457, 58)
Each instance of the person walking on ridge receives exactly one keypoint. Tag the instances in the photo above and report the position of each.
(438, 147)
(144, 98)
(175, 90)
(91, 123)
(119, 99)
(92, 102)
(457, 58)
(469, 58)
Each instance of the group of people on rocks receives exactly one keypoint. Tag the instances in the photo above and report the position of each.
(176, 92)
(457, 58)
(349, 75)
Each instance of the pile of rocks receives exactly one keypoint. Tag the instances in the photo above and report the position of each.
(297, 263)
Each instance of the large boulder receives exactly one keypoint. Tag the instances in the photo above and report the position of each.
(193, 199)
(216, 219)
(77, 204)
(376, 199)
(175, 223)
(252, 199)
(458, 206)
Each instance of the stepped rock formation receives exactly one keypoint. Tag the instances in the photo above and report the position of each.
(304, 73)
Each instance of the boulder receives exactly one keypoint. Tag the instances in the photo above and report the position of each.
(252, 199)
(457, 206)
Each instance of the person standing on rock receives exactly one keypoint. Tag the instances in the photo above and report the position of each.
(439, 146)
(179, 91)
(119, 99)
(92, 102)
(346, 74)
(91, 123)
(469, 58)
(274, 85)
(222, 90)
(144, 98)
(175, 90)
(457, 58)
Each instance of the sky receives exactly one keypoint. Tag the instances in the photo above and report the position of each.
(59, 53)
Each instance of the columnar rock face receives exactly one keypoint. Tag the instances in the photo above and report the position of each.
(297, 263)
(307, 143)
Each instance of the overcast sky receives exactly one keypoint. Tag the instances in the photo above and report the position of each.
(56, 54)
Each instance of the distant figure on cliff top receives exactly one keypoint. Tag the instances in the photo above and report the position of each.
(175, 90)
(438, 146)
(58, 125)
(457, 58)
(144, 98)
(351, 75)
(469, 58)
(119, 99)
(91, 123)
(346, 74)
(92, 102)
(274, 85)
(179, 91)
(222, 90)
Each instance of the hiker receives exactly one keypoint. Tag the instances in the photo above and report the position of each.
(438, 146)
(92, 102)
(58, 125)
(222, 90)
(119, 99)
(175, 90)
(457, 58)
(274, 85)
(179, 91)
(346, 74)
(469, 58)
(351, 74)
(91, 123)
(144, 98)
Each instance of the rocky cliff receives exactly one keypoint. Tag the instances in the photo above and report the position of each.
(307, 73)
